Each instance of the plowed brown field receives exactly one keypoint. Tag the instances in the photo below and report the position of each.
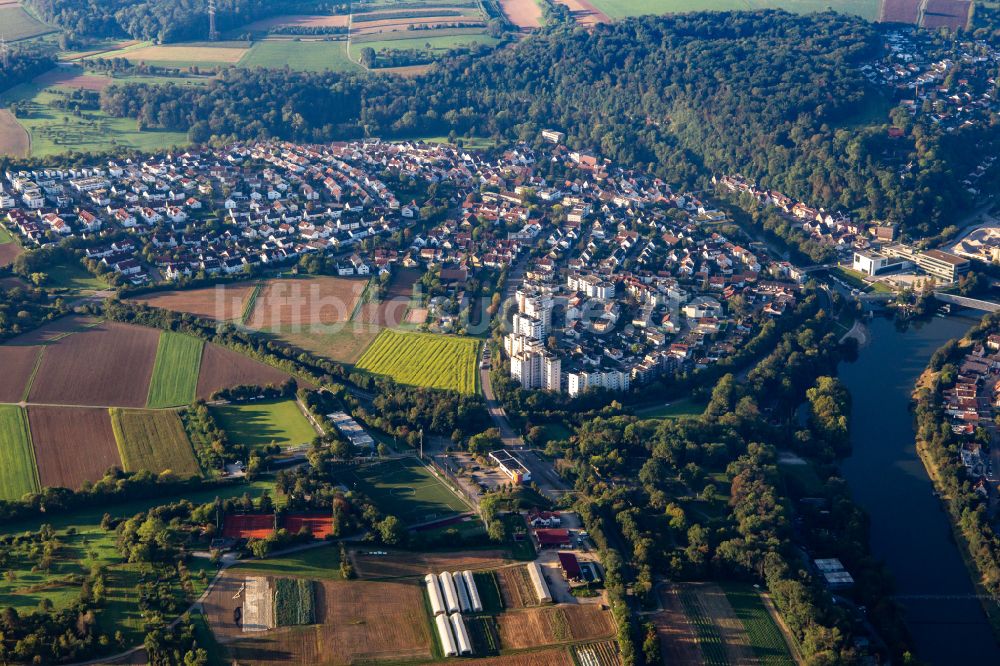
(319, 300)
(14, 141)
(585, 13)
(16, 364)
(107, 365)
(401, 565)
(221, 368)
(678, 640)
(72, 444)
(221, 302)
(525, 14)
(536, 627)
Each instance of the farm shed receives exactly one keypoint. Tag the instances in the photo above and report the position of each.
(570, 565)
(470, 582)
(463, 594)
(434, 594)
(538, 581)
(461, 635)
(552, 538)
(450, 593)
(445, 634)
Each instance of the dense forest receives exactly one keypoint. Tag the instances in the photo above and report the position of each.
(771, 95)
(24, 65)
(162, 20)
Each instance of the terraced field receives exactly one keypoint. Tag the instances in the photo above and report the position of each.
(154, 441)
(18, 474)
(175, 372)
(424, 359)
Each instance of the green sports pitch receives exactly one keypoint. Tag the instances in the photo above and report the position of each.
(405, 488)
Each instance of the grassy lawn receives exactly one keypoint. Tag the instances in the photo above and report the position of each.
(18, 474)
(424, 359)
(175, 373)
(259, 424)
(671, 410)
(54, 131)
(470, 142)
(73, 276)
(406, 489)
(19, 24)
(344, 346)
(302, 55)
(765, 637)
(153, 441)
(5, 236)
(621, 8)
(438, 45)
(321, 562)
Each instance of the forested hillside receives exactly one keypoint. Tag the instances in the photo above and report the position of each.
(774, 96)
(24, 65)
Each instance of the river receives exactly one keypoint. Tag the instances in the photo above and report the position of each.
(909, 529)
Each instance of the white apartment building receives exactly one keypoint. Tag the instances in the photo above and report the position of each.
(592, 286)
(614, 380)
(533, 365)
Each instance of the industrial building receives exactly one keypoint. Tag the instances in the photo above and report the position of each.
(510, 465)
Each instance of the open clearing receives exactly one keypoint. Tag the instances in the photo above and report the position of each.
(406, 489)
(265, 422)
(17, 364)
(318, 301)
(154, 441)
(523, 13)
(223, 302)
(345, 345)
(404, 564)
(109, 364)
(358, 621)
(17, 471)
(222, 368)
(72, 445)
(175, 372)
(19, 24)
(182, 54)
(424, 359)
(14, 141)
(308, 56)
(535, 627)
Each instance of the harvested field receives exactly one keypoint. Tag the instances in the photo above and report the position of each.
(72, 444)
(402, 25)
(678, 640)
(536, 627)
(154, 441)
(109, 364)
(14, 141)
(221, 54)
(346, 345)
(525, 14)
(55, 330)
(951, 14)
(249, 525)
(258, 604)
(516, 588)
(221, 368)
(320, 301)
(220, 303)
(297, 20)
(551, 657)
(404, 564)
(17, 364)
(73, 77)
(899, 11)
(585, 13)
(392, 309)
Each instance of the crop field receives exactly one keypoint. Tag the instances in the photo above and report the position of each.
(219, 303)
(305, 55)
(722, 637)
(109, 364)
(318, 301)
(766, 638)
(585, 13)
(72, 444)
(402, 564)
(516, 587)
(358, 621)
(951, 14)
(294, 602)
(536, 627)
(345, 345)
(17, 363)
(154, 441)
(73, 78)
(899, 11)
(389, 21)
(265, 422)
(15, 142)
(52, 131)
(424, 359)
(192, 53)
(391, 310)
(678, 640)
(17, 471)
(175, 372)
(406, 489)
(605, 653)
(296, 20)
(221, 368)
(525, 14)
(19, 24)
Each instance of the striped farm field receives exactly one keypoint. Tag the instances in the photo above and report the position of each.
(18, 474)
(175, 372)
(154, 441)
(423, 359)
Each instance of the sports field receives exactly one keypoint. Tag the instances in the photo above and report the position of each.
(310, 56)
(424, 359)
(259, 424)
(175, 372)
(154, 441)
(18, 474)
(406, 489)
(867, 9)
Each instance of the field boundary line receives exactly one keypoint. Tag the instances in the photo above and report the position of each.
(31, 377)
(251, 303)
(23, 414)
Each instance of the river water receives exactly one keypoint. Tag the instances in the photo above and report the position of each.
(909, 530)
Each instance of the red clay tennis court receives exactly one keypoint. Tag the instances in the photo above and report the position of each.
(247, 526)
(319, 525)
